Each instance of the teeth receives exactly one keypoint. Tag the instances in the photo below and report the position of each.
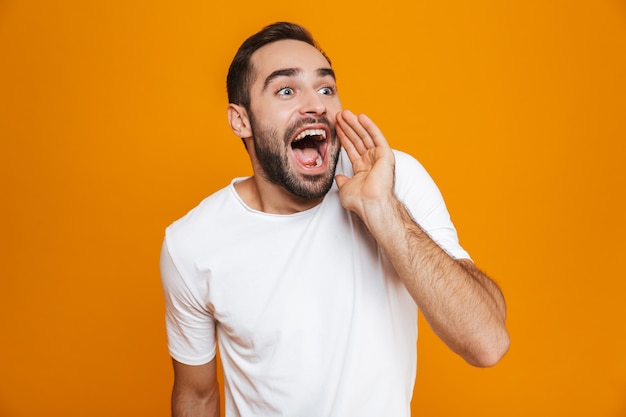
(311, 132)
(318, 161)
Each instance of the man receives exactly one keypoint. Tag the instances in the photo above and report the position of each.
(309, 273)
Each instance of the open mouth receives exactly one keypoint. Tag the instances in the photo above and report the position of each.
(309, 147)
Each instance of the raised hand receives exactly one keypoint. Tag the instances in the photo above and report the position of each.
(372, 160)
(462, 304)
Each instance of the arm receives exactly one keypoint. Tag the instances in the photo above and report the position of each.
(464, 306)
(195, 392)
(191, 335)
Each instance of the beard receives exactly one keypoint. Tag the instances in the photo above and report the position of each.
(273, 153)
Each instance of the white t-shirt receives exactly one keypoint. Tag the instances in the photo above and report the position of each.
(311, 318)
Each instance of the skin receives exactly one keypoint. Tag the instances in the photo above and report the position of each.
(195, 392)
(463, 305)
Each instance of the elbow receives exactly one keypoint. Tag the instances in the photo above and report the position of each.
(489, 353)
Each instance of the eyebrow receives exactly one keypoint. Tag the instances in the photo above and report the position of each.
(292, 72)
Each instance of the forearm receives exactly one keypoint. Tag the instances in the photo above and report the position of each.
(463, 306)
(186, 404)
(196, 391)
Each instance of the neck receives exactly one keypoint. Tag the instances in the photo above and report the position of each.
(261, 195)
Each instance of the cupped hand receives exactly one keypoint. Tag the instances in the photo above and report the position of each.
(372, 160)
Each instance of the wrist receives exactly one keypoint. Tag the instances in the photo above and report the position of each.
(384, 215)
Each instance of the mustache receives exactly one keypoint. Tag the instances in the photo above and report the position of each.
(291, 130)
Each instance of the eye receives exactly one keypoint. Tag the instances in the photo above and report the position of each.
(285, 91)
(327, 91)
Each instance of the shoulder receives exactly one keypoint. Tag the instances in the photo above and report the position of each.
(202, 212)
(412, 177)
(407, 164)
(202, 222)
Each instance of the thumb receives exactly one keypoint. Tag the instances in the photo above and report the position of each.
(341, 180)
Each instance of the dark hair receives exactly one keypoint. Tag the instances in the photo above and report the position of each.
(241, 73)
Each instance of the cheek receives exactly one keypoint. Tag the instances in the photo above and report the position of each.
(333, 108)
(278, 116)
(272, 118)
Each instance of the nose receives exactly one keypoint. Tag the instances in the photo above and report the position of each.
(313, 103)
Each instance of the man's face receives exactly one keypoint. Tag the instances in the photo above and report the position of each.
(293, 104)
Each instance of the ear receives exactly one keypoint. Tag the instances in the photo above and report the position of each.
(239, 121)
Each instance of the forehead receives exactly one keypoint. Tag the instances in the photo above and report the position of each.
(285, 54)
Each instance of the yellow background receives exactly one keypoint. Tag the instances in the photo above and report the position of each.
(113, 124)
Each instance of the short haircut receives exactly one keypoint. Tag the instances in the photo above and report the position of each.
(241, 73)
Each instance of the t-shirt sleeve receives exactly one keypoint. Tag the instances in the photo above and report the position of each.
(417, 190)
(189, 323)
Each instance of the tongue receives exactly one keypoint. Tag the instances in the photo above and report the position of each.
(307, 156)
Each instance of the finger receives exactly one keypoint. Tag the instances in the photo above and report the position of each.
(377, 137)
(341, 180)
(355, 124)
(346, 143)
(349, 134)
